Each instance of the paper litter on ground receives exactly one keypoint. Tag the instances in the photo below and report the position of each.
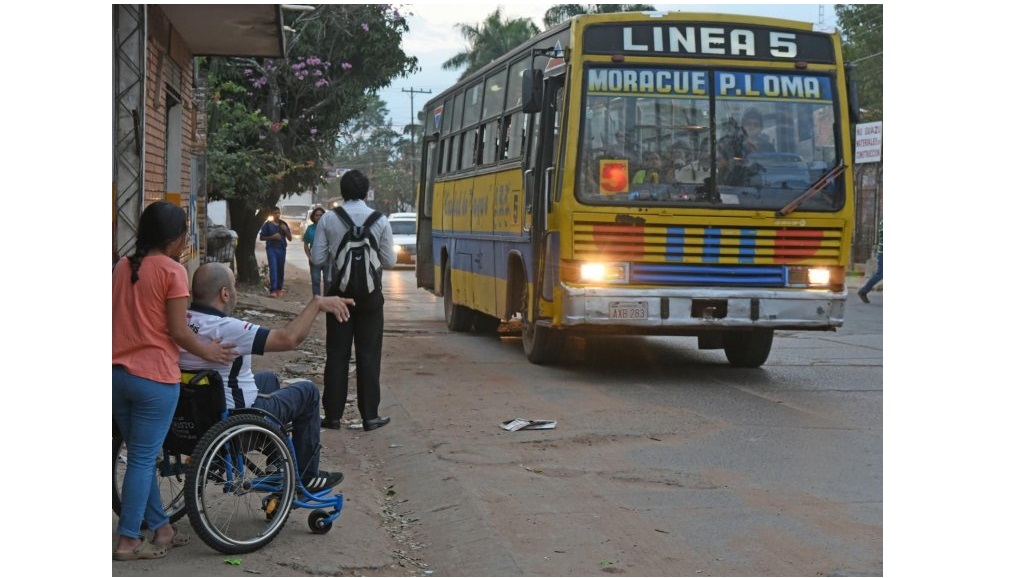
(521, 423)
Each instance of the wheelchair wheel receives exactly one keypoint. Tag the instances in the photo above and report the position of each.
(170, 471)
(317, 522)
(240, 489)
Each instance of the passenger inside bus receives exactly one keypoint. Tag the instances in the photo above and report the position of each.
(651, 170)
(737, 143)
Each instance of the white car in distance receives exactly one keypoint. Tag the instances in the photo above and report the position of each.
(404, 227)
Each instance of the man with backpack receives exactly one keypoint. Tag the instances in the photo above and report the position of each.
(357, 242)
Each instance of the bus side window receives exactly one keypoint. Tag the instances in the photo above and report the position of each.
(489, 142)
(515, 136)
(448, 155)
(465, 150)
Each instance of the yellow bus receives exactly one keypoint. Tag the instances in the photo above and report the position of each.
(644, 173)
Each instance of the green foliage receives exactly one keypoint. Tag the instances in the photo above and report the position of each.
(862, 28)
(273, 122)
(338, 54)
(371, 145)
(237, 164)
(560, 12)
(489, 40)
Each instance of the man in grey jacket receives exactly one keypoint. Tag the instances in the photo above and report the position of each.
(364, 329)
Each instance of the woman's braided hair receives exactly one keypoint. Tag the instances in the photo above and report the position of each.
(160, 224)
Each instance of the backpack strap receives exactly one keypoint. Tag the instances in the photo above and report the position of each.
(365, 227)
(342, 213)
(371, 219)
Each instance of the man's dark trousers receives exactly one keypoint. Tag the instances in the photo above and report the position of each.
(364, 329)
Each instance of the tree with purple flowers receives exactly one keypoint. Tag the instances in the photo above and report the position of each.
(274, 122)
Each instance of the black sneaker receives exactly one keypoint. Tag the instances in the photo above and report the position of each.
(863, 297)
(328, 423)
(322, 480)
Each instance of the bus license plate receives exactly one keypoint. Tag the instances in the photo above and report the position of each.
(629, 310)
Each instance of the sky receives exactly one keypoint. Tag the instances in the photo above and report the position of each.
(433, 39)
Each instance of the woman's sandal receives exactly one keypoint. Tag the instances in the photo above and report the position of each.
(178, 539)
(144, 551)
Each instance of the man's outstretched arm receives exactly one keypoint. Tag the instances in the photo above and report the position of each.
(291, 335)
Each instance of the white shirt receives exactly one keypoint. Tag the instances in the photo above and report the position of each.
(249, 339)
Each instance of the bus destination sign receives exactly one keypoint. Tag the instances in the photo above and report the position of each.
(708, 41)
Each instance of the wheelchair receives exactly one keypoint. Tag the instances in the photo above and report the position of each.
(234, 473)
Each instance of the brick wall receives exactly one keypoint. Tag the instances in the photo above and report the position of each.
(169, 72)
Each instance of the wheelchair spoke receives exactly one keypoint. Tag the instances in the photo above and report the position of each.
(242, 489)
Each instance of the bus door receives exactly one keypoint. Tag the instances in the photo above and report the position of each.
(542, 161)
(425, 265)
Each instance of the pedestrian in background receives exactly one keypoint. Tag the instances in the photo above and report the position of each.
(364, 329)
(277, 234)
(319, 273)
(150, 295)
(879, 275)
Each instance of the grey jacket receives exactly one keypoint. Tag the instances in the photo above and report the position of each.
(330, 230)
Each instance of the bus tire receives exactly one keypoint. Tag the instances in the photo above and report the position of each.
(748, 348)
(457, 317)
(540, 344)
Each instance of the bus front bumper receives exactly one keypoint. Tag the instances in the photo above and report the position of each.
(700, 309)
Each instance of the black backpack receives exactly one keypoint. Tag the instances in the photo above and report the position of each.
(357, 271)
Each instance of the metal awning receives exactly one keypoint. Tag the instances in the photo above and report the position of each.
(229, 29)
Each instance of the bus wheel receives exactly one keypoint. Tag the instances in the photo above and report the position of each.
(748, 348)
(457, 317)
(540, 344)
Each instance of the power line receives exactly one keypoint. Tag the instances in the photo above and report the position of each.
(866, 57)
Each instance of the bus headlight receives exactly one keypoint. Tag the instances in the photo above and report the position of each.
(595, 272)
(827, 277)
(818, 276)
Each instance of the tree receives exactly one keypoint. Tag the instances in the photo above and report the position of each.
(371, 145)
(862, 28)
(560, 12)
(274, 122)
(489, 40)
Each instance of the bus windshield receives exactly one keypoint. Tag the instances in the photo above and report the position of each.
(707, 138)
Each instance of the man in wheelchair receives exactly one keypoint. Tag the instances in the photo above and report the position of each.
(214, 298)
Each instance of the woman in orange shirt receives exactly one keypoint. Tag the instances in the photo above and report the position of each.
(150, 296)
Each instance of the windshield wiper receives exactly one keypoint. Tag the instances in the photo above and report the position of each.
(813, 190)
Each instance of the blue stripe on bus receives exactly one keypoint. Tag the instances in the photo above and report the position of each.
(675, 244)
(748, 245)
(710, 250)
(498, 250)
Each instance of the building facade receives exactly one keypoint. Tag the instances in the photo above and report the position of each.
(159, 105)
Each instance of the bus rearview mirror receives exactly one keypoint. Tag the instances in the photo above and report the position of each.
(853, 88)
(533, 90)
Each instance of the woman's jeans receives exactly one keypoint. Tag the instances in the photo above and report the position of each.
(143, 410)
(275, 259)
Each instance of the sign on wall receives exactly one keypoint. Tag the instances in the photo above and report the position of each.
(869, 142)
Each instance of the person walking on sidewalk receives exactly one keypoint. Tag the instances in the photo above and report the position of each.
(879, 275)
(276, 233)
(214, 298)
(318, 273)
(365, 327)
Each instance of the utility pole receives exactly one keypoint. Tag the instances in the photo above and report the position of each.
(413, 120)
